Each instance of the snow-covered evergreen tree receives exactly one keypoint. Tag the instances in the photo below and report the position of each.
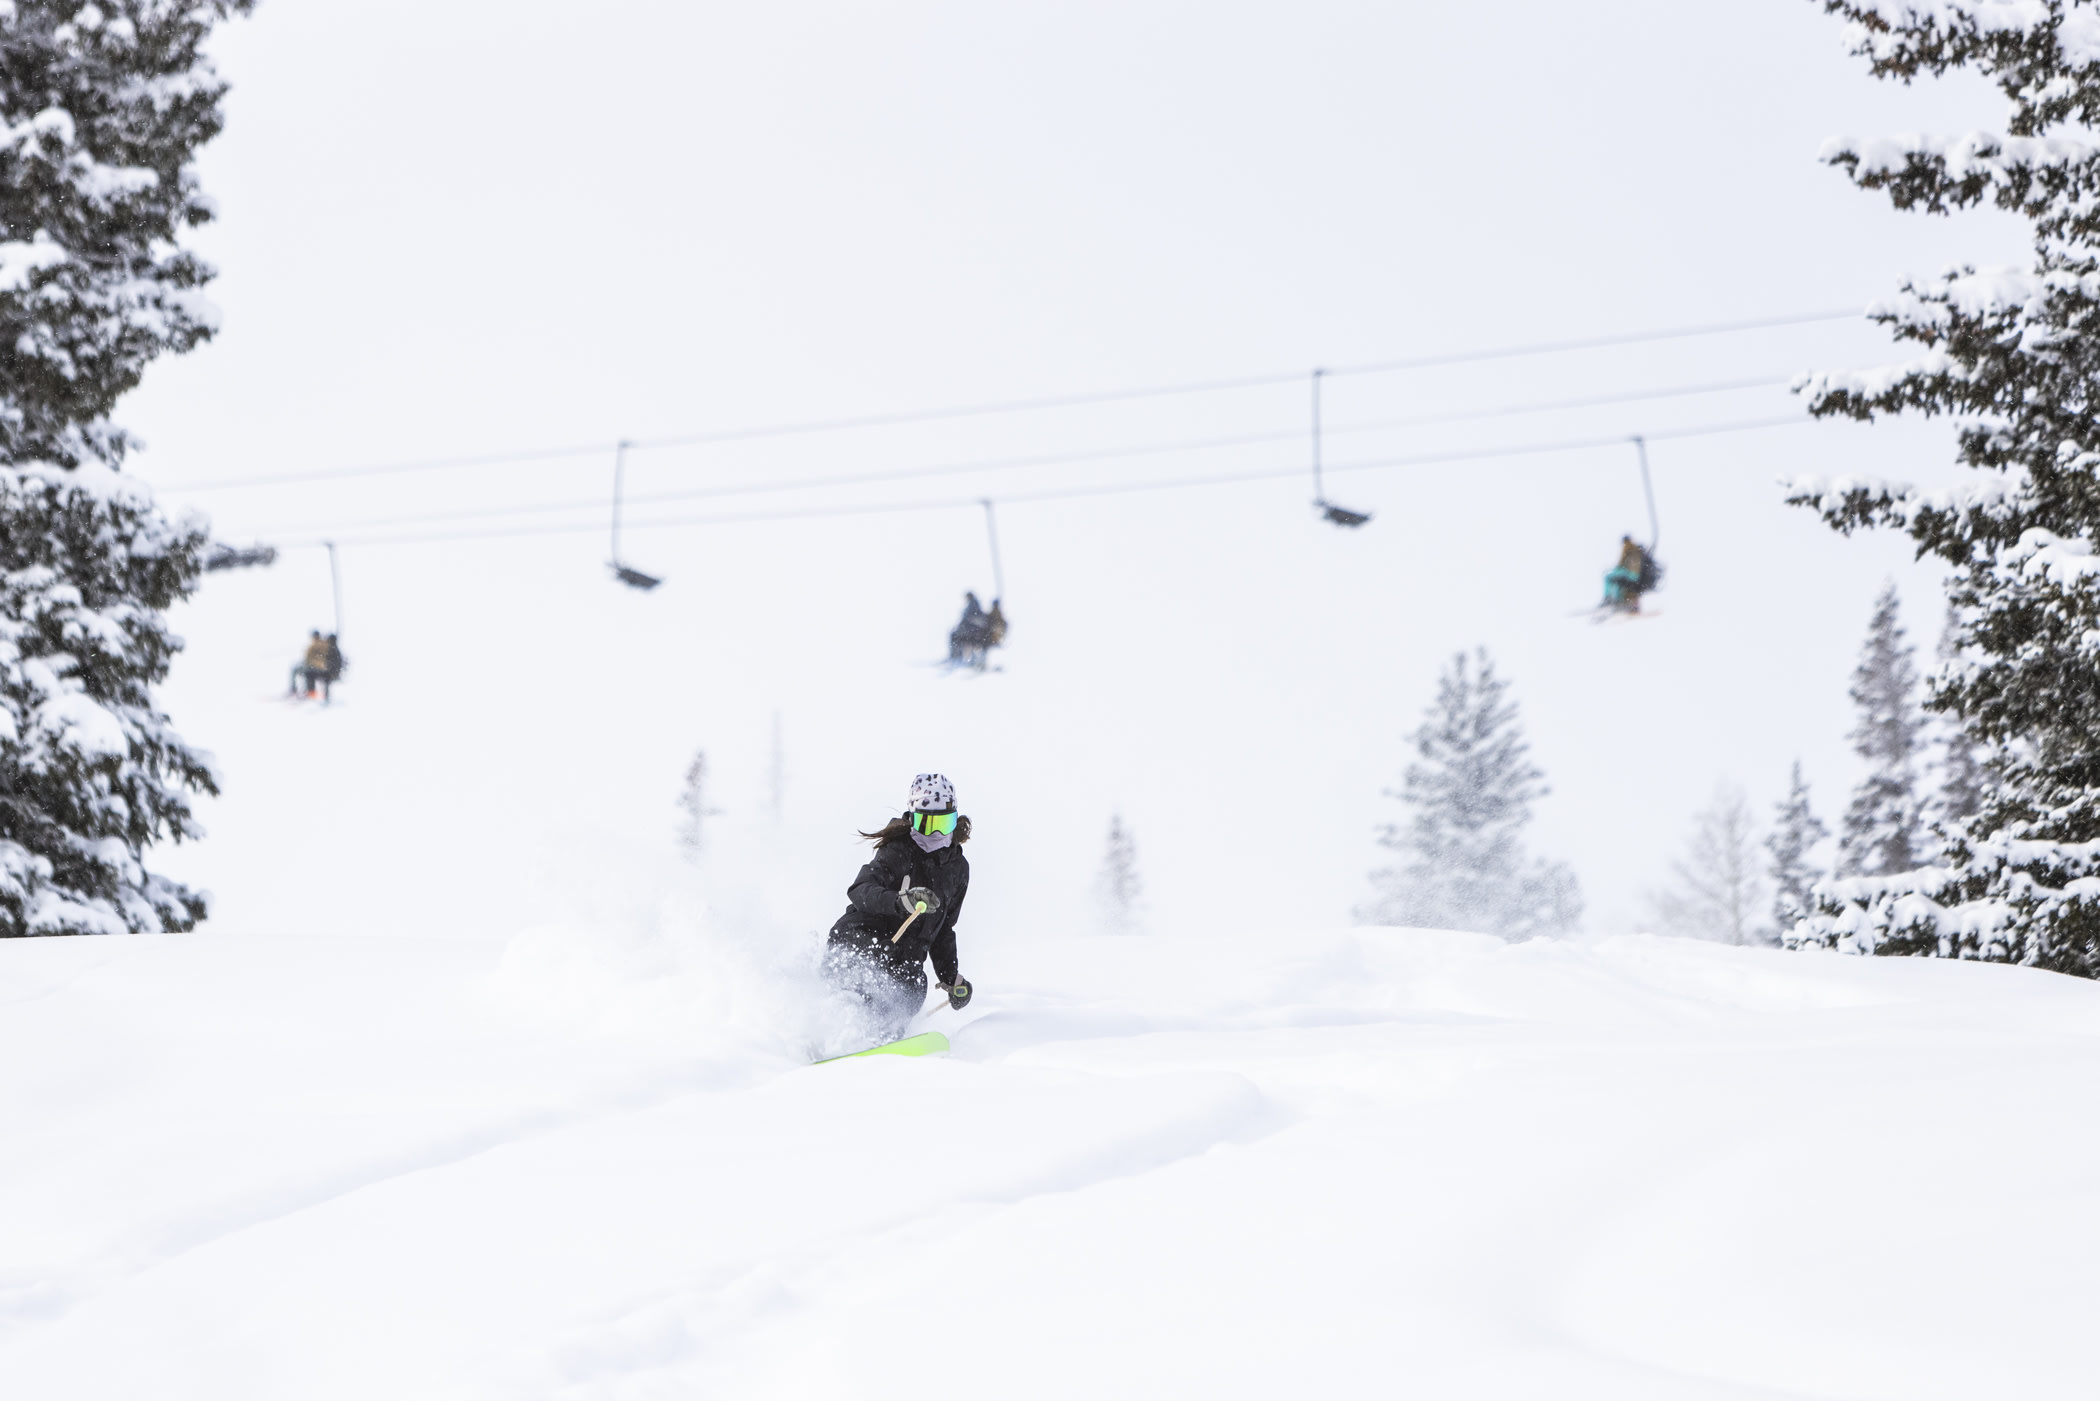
(1796, 830)
(1469, 795)
(1118, 890)
(1961, 772)
(102, 109)
(2015, 354)
(1883, 830)
(1713, 893)
(693, 808)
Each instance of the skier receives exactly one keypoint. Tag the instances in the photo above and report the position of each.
(966, 643)
(333, 671)
(1635, 574)
(312, 668)
(904, 905)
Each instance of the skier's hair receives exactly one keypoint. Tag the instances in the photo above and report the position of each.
(898, 828)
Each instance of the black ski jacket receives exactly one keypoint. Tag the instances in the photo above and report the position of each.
(876, 914)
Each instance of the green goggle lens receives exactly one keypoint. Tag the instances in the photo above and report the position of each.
(931, 822)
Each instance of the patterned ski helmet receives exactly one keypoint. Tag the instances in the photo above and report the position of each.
(931, 792)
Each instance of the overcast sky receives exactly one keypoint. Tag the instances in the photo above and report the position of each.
(453, 229)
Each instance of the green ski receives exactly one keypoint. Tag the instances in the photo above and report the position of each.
(924, 1044)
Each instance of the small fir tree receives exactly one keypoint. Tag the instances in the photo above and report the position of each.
(693, 807)
(1714, 890)
(102, 110)
(1962, 776)
(1883, 830)
(1469, 796)
(1118, 890)
(2014, 355)
(1796, 831)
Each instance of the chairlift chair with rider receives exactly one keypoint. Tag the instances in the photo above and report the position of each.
(971, 642)
(1638, 572)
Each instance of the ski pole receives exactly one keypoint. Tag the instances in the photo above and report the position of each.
(920, 909)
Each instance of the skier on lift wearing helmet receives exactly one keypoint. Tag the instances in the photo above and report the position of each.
(904, 905)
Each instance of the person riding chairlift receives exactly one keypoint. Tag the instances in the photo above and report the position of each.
(976, 634)
(1634, 575)
(319, 669)
(311, 670)
(968, 635)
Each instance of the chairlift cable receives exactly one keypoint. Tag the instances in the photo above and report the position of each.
(1117, 489)
(1001, 464)
(834, 425)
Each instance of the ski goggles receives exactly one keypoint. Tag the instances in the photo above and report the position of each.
(927, 823)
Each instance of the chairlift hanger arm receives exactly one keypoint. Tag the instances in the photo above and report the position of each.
(1640, 445)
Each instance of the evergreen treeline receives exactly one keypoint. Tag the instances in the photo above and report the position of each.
(1895, 822)
(102, 110)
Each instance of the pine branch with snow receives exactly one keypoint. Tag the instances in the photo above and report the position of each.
(102, 110)
(91, 773)
(1469, 796)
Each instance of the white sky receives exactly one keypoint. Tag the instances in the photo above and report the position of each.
(455, 228)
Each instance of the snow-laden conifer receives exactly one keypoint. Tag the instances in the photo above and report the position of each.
(1791, 844)
(1713, 891)
(1119, 891)
(695, 807)
(1469, 795)
(2014, 352)
(102, 109)
(1884, 828)
(1961, 762)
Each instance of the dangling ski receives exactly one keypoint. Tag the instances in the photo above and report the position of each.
(926, 1043)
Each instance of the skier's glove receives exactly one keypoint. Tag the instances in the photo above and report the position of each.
(918, 896)
(958, 994)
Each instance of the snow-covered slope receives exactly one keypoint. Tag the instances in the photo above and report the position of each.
(1294, 1161)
